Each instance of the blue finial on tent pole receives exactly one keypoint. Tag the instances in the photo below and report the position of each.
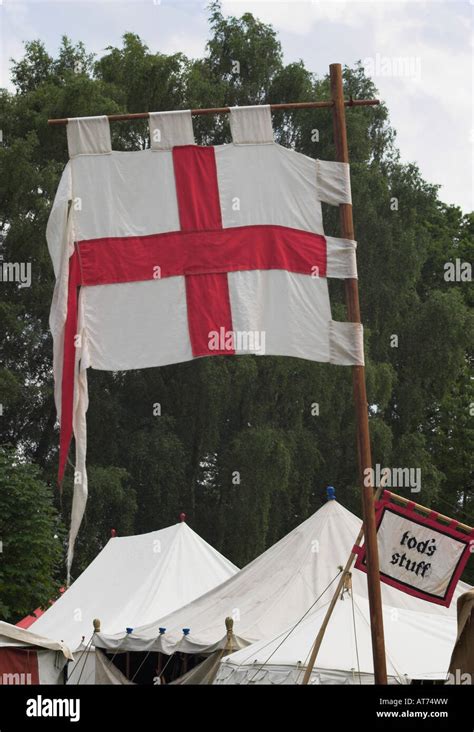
(129, 630)
(331, 493)
(186, 631)
(162, 631)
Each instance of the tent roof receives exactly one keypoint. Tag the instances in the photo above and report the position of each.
(271, 592)
(418, 646)
(133, 580)
(13, 637)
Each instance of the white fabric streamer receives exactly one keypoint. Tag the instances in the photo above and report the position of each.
(251, 125)
(88, 136)
(168, 129)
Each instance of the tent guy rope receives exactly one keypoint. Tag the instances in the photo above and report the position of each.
(293, 628)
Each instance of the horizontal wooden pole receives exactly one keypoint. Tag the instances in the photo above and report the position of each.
(226, 110)
(424, 509)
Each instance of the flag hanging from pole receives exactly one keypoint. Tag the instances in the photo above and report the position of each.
(179, 251)
(418, 554)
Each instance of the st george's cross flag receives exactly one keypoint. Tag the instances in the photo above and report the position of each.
(180, 251)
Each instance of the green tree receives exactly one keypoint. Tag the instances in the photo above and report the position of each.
(31, 539)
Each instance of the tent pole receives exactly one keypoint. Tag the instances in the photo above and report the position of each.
(332, 604)
(360, 399)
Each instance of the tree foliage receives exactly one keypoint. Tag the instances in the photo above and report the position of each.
(31, 538)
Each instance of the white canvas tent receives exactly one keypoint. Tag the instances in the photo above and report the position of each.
(133, 580)
(270, 593)
(27, 658)
(418, 646)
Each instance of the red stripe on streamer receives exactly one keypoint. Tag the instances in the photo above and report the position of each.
(197, 191)
(69, 362)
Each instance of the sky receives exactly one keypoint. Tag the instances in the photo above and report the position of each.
(419, 54)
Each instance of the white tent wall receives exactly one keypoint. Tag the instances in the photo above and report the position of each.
(418, 646)
(270, 593)
(51, 668)
(107, 673)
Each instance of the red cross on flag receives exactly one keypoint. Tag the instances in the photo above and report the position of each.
(180, 251)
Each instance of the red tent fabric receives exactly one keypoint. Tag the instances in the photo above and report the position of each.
(30, 619)
(19, 666)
